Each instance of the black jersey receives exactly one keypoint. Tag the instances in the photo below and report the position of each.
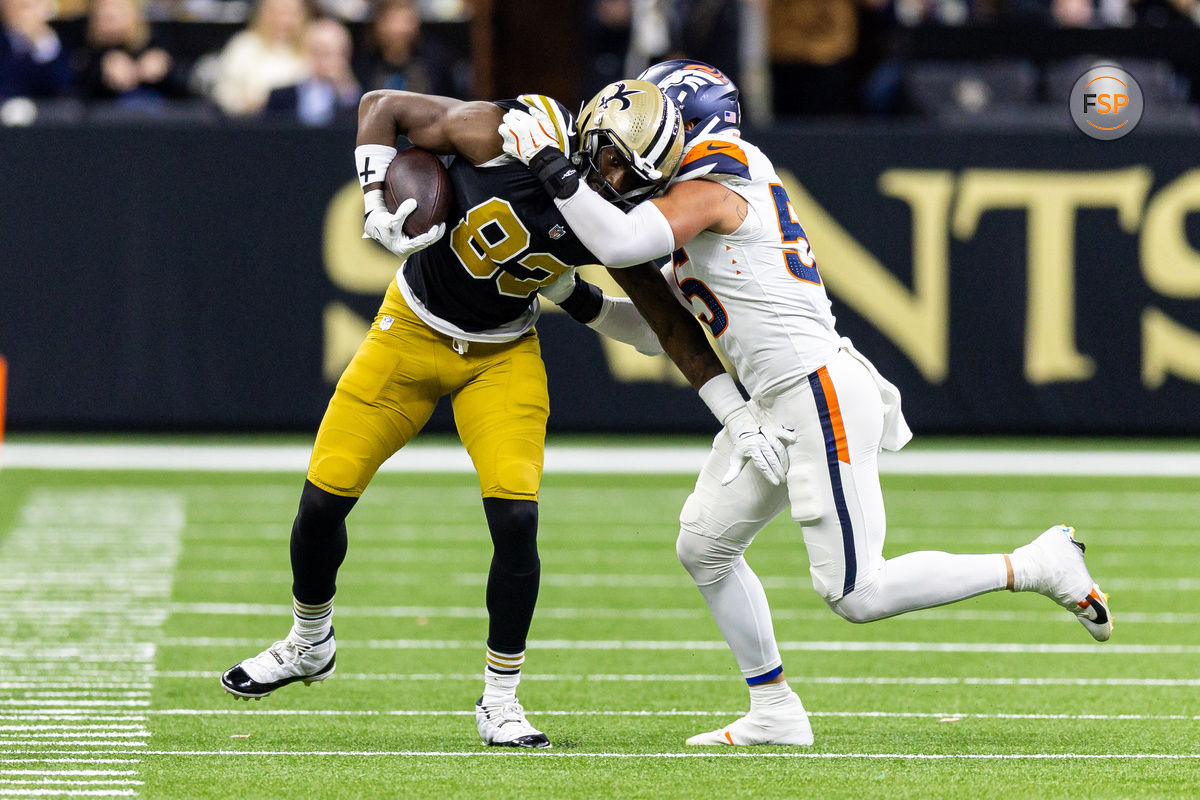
(505, 238)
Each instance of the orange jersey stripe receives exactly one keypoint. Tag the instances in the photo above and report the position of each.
(835, 416)
(713, 148)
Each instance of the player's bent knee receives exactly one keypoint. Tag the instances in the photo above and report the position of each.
(321, 511)
(860, 606)
(848, 609)
(706, 559)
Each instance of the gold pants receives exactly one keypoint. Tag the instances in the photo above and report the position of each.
(390, 388)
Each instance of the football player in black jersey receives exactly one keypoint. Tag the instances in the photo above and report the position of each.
(458, 320)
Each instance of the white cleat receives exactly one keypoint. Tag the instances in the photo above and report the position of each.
(1057, 570)
(505, 726)
(783, 726)
(287, 661)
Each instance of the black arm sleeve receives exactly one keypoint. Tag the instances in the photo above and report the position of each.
(585, 301)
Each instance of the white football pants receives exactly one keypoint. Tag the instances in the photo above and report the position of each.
(834, 493)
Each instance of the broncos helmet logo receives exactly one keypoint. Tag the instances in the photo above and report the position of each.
(694, 79)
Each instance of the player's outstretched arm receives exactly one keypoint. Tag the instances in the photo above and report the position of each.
(650, 230)
(438, 124)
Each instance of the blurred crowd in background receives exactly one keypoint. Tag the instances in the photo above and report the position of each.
(311, 61)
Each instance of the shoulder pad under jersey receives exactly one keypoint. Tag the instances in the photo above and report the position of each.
(563, 120)
(714, 156)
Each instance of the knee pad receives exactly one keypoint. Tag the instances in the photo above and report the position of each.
(706, 559)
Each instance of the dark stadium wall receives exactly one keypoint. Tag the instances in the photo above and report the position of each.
(527, 46)
(216, 280)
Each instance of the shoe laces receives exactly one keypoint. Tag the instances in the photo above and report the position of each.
(291, 650)
(511, 711)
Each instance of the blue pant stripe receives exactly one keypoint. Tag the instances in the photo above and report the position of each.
(835, 478)
(766, 676)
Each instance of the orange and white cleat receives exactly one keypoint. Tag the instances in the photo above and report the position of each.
(786, 725)
(1052, 564)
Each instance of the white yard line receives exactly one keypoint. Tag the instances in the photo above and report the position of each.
(564, 460)
(69, 782)
(866, 680)
(99, 773)
(743, 753)
(1052, 614)
(104, 553)
(678, 580)
(534, 713)
(6, 760)
(708, 644)
(69, 793)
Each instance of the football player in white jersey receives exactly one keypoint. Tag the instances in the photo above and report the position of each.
(742, 261)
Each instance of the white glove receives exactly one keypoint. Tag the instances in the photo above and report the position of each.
(766, 448)
(526, 133)
(387, 229)
(561, 288)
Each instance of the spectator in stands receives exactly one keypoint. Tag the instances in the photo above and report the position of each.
(1075, 13)
(331, 90)
(32, 61)
(122, 62)
(265, 56)
(396, 55)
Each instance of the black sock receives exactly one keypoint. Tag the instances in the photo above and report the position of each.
(318, 544)
(512, 586)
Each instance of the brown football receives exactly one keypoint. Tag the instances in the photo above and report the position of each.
(418, 174)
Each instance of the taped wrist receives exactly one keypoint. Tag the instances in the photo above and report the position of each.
(722, 397)
(584, 302)
(555, 171)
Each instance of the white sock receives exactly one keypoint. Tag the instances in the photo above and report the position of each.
(501, 676)
(312, 623)
(739, 606)
(767, 697)
(1024, 570)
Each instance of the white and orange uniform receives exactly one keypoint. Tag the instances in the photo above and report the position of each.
(760, 293)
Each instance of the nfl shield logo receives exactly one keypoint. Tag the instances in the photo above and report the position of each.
(731, 116)
(557, 232)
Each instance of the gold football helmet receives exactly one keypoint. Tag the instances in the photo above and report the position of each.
(646, 129)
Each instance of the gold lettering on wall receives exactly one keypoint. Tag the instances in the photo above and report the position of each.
(1170, 265)
(344, 332)
(1168, 348)
(1050, 200)
(915, 320)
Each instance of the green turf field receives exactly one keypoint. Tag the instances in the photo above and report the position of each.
(124, 595)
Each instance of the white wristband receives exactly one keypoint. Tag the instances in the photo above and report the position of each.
(371, 162)
(722, 397)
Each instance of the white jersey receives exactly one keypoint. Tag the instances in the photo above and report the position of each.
(756, 289)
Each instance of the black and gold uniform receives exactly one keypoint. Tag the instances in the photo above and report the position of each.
(459, 320)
